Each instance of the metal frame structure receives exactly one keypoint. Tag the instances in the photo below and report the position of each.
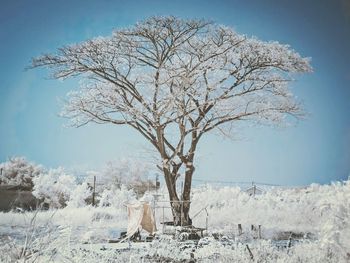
(164, 206)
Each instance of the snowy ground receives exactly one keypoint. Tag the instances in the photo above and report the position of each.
(317, 218)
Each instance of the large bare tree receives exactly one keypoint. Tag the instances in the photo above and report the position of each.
(173, 81)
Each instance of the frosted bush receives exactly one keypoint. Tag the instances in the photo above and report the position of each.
(79, 195)
(54, 186)
(296, 209)
(116, 197)
(335, 233)
(131, 173)
(19, 171)
(322, 210)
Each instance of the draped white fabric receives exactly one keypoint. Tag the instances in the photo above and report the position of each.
(140, 216)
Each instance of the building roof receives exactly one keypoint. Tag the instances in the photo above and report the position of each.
(254, 190)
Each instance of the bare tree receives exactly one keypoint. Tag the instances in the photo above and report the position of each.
(174, 80)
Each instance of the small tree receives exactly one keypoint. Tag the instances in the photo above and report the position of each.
(20, 172)
(131, 173)
(54, 187)
(173, 81)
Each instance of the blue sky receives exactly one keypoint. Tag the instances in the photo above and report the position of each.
(315, 150)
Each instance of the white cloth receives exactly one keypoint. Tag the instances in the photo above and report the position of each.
(135, 214)
(148, 223)
(140, 216)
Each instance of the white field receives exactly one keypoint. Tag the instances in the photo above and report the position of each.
(320, 213)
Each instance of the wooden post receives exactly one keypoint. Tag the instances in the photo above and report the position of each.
(192, 260)
(182, 204)
(290, 240)
(259, 232)
(206, 222)
(163, 220)
(157, 184)
(240, 229)
(250, 252)
(154, 208)
(93, 193)
(253, 231)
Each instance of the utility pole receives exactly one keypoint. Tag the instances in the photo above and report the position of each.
(93, 192)
(157, 183)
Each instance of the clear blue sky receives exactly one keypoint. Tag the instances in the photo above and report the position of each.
(315, 150)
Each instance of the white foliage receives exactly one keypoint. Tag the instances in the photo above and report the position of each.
(79, 195)
(19, 171)
(320, 209)
(128, 172)
(306, 209)
(116, 198)
(54, 186)
(335, 233)
(167, 77)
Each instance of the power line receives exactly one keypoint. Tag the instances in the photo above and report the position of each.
(232, 182)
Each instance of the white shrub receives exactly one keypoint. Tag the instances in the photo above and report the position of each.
(131, 173)
(79, 195)
(19, 171)
(116, 197)
(54, 186)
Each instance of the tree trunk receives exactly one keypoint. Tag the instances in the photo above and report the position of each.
(186, 194)
(180, 208)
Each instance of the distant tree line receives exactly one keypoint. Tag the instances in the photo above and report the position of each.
(57, 188)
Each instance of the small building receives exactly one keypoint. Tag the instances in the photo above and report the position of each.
(14, 196)
(254, 190)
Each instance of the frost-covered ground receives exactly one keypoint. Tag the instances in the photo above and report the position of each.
(317, 218)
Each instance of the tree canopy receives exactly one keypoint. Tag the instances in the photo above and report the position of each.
(174, 80)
